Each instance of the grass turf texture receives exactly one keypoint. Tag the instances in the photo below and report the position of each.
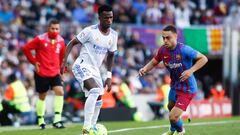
(218, 126)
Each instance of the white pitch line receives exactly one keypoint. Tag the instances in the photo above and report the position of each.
(130, 129)
(165, 126)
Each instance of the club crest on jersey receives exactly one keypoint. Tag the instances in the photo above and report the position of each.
(178, 57)
(58, 48)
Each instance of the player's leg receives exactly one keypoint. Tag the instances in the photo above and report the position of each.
(97, 110)
(85, 75)
(180, 122)
(183, 100)
(42, 86)
(171, 104)
(89, 108)
(57, 87)
(175, 119)
(40, 109)
(99, 102)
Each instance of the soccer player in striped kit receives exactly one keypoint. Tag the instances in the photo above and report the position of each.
(178, 59)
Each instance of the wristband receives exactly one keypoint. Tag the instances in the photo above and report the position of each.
(109, 74)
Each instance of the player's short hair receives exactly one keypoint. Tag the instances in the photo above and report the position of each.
(171, 28)
(53, 21)
(104, 8)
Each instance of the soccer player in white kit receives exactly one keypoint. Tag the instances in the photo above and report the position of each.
(96, 42)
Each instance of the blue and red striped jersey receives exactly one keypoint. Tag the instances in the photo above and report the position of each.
(177, 61)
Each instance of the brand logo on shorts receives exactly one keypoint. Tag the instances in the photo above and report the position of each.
(180, 104)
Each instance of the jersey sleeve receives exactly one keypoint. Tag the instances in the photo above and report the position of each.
(158, 56)
(31, 45)
(83, 36)
(113, 48)
(189, 52)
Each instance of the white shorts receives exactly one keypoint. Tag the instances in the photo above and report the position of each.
(83, 72)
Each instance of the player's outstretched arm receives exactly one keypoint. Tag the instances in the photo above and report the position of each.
(150, 65)
(201, 61)
(67, 51)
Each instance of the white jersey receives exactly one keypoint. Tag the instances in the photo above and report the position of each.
(96, 45)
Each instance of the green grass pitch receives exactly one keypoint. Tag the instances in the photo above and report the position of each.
(217, 126)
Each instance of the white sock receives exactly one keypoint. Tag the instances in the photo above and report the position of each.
(90, 106)
(96, 112)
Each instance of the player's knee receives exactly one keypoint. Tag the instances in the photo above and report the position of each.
(58, 91)
(95, 92)
(42, 96)
(173, 118)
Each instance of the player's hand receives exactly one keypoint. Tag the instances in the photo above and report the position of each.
(142, 71)
(185, 75)
(108, 84)
(37, 64)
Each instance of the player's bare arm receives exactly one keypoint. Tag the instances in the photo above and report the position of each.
(109, 63)
(148, 67)
(201, 61)
(70, 45)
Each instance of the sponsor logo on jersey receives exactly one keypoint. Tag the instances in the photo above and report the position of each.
(173, 65)
(99, 49)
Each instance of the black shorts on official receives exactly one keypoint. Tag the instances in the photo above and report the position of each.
(43, 84)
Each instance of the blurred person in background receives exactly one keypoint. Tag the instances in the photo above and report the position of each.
(74, 99)
(121, 96)
(96, 42)
(16, 97)
(49, 50)
(234, 16)
(200, 93)
(218, 93)
(160, 105)
(182, 14)
(164, 91)
(178, 59)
